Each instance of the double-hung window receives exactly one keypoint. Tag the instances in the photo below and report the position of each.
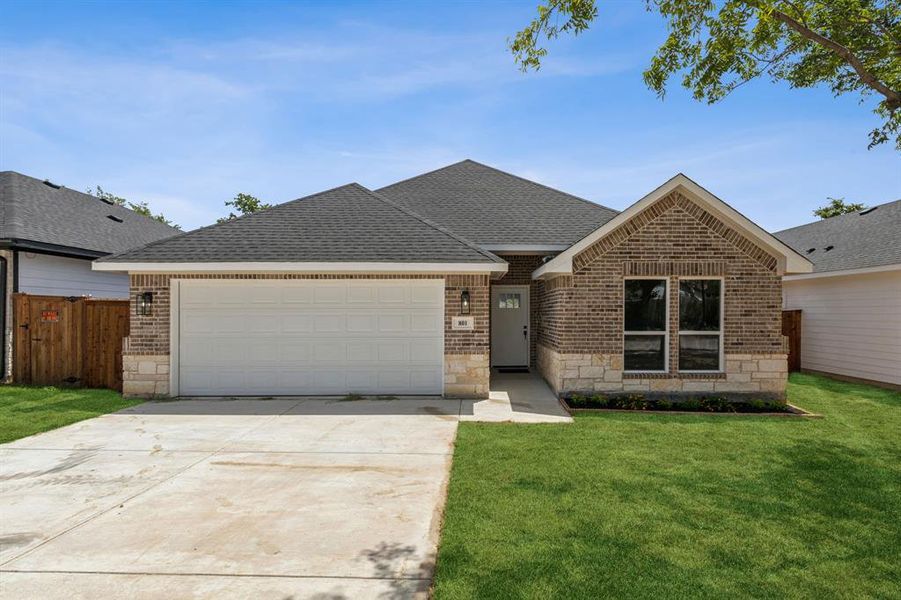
(645, 338)
(700, 325)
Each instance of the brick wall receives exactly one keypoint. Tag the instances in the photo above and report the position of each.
(149, 335)
(582, 315)
(519, 272)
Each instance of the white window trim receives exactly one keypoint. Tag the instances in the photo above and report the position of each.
(721, 331)
(665, 331)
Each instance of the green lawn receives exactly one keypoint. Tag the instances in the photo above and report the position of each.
(670, 506)
(26, 410)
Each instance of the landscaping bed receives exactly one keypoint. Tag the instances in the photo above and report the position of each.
(703, 404)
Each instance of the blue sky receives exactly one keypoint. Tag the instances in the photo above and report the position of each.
(184, 105)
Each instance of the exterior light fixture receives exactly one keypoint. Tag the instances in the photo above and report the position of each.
(144, 302)
(464, 302)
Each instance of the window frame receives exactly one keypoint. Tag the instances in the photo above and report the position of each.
(666, 323)
(721, 333)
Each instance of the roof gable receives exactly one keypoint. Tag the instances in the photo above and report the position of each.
(859, 240)
(31, 210)
(348, 224)
(496, 209)
(787, 259)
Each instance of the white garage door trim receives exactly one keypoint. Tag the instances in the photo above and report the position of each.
(178, 288)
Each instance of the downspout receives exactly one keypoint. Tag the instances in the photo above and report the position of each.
(3, 316)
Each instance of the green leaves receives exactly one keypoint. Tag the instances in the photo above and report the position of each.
(245, 204)
(142, 208)
(852, 46)
(836, 207)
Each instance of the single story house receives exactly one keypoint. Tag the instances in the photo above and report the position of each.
(424, 286)
(851, 303)
(49, 235)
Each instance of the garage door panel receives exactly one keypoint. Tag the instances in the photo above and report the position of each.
(297, 295)
(430, 296)
(330, 294)
(426, 352)
(293, 353)
(360, 293)
(393, 295)
(295, 323)
(361, 323)
(329, 323)
(328, 353)
(261, 323)
(423, 322)
(394, 322)
(310, 337)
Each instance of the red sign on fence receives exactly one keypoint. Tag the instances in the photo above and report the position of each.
(50, 316)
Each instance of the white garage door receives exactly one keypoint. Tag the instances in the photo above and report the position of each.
(298, 337)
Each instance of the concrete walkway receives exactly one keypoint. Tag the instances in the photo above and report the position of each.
(299, 498)
(518, 398)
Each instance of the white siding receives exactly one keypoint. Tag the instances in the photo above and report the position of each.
(850, 325)
(61, 276)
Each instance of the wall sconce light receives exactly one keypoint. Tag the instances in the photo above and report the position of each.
(144, 301)
(464, 302)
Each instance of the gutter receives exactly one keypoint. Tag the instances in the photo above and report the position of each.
(53, 249)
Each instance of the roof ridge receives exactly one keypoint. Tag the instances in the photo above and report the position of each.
(495, 169)
(541, 185)
(433, 225)
(459, 162)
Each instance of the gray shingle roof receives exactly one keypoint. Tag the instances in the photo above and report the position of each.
(33, 211)
(870, 238)
(345, 224)
(491, 207)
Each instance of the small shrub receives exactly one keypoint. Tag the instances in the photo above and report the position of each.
(352, 397)
(600, 401)
(717, 404)
(635, 402)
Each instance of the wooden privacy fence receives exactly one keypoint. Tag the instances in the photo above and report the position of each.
(73, 340)
(791, 328)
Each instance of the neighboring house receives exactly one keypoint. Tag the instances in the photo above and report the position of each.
(851, 302)
(49, 235)
(423, 286)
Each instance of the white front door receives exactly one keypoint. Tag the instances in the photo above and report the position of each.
(301, 337)
(510, 325)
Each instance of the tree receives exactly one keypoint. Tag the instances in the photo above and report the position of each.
(142, 208)
(853, 46)
(245, 204)
(836, 207)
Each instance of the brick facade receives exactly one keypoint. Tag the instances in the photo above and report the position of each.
(581, 316)
(466, 352)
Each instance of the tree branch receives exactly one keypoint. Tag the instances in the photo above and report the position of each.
(893, 98)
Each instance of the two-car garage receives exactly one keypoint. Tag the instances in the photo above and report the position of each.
(264, 337)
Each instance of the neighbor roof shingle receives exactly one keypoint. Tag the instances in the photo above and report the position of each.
(870, 238)
(31, 210)
(345, 224)
(491, 207)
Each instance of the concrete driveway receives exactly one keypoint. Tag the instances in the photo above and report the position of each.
(229, 498)
(286, 498)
